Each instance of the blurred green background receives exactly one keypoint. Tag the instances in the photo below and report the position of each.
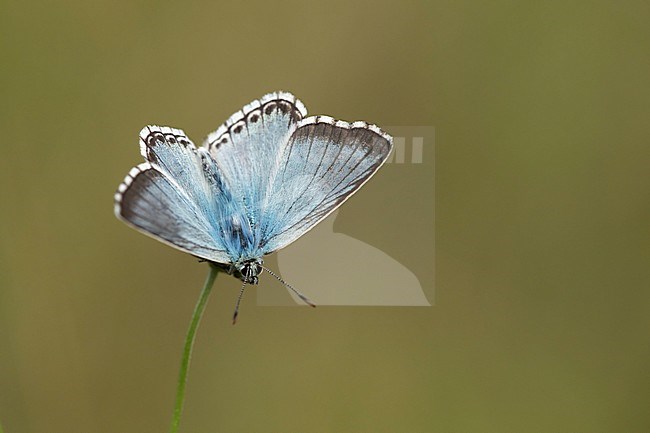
(542, 313)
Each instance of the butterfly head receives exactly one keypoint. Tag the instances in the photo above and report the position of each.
(248, 270)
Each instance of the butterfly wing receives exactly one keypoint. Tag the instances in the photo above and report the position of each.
(177, 196)
(289, 171)
(247, 149)
(260, 181)
(321, 165)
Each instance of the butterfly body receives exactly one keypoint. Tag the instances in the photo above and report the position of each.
(260, 181)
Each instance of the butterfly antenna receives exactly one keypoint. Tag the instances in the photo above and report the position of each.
(300, 295)
(241, 293)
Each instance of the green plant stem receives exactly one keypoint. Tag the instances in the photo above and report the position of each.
(189, 343)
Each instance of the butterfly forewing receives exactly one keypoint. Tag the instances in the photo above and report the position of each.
(324, 162)
(180, 197)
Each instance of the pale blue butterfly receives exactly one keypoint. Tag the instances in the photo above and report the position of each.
(259, 182)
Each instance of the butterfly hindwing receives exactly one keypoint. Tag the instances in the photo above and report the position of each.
(247, 147)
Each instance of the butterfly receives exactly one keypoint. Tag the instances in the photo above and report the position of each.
(264, 178)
